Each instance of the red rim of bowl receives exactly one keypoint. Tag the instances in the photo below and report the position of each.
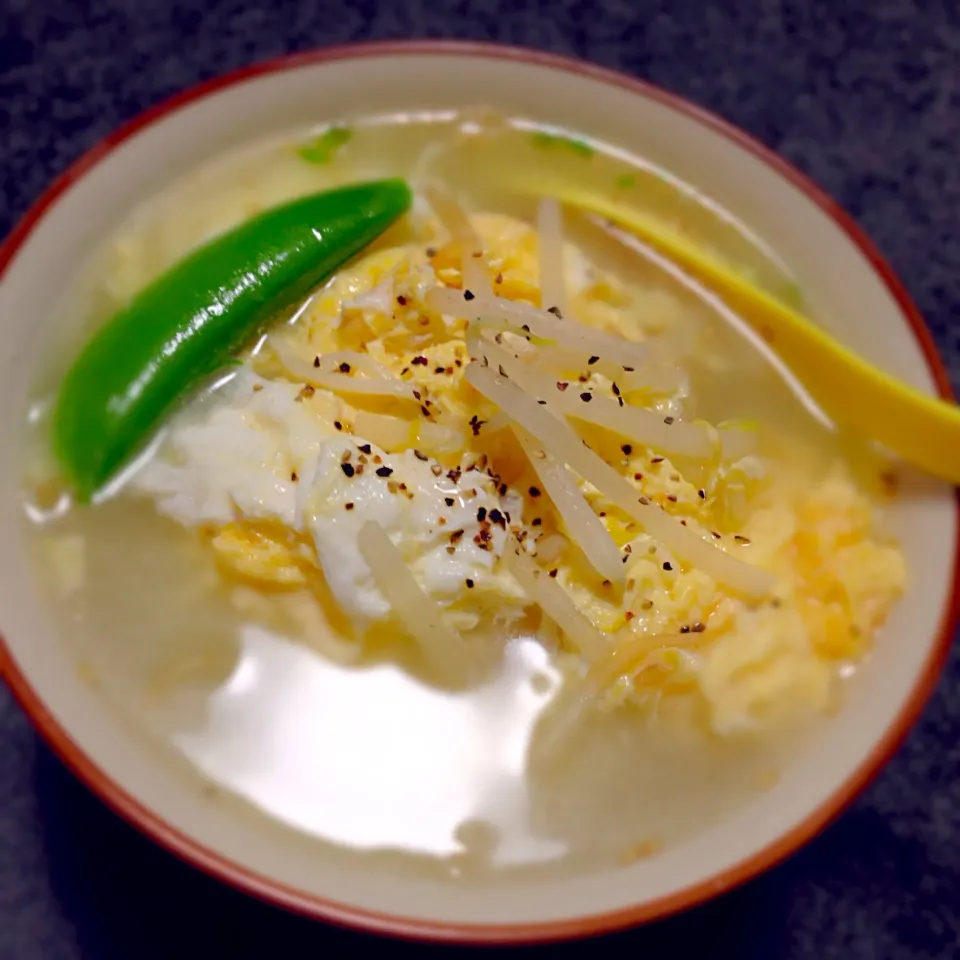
(342, 914)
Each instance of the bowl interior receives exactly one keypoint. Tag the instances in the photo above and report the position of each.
(845, 289)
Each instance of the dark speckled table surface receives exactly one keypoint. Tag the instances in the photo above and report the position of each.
(863, 95)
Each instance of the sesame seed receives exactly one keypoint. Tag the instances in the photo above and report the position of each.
(698, 627)
(668, 420)
(684, 629)
(347, 468)
(740, 539)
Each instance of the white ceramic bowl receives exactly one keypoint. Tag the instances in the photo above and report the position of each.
(847, 283)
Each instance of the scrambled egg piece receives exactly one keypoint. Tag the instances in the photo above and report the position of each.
(243, 468)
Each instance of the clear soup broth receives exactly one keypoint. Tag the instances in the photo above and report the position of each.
(257, 689)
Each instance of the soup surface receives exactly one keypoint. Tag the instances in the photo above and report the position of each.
(564, 682)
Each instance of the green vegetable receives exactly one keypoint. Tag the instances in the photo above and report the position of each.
(321, 149)
(548, 140)
(626, 181)
(192, 319)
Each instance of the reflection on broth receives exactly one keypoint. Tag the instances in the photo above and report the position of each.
(578, 672)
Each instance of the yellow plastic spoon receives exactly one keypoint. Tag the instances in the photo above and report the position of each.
(922, 430)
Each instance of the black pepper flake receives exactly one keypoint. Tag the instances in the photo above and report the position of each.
(456, 535)
(627, 449)
(438, 369)
(644, 501)
(338, 424)
(424, 411)
(671, 498)
(402, 300)
(628, 615)
(668, 420)
(628, 369)
(501, 371)
(554, 572)
(740, 539)
(384, 471)
(344, 367)
(458, 362)
(534, 491)
(475, 424)
(449, 501)
(431, 251)
(620, 401)
(293, 476)
(468, 295)
(364, 448)
(417, 395)
(556, 312)
(502, 489)
(469, 583)
(316, 361)
(454, 474)
(702, 494)
(419, 361)
(535, 522)
(347, 468)
(404, 371)
(592, 360)
(667, 565)
(499, 278)
(656, 459)
(586, 397)
(497, 517)
(684, 629)
(714, 534)
(616, 390)
(481, 514)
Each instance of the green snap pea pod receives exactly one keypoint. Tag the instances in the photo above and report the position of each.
(191, 320)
